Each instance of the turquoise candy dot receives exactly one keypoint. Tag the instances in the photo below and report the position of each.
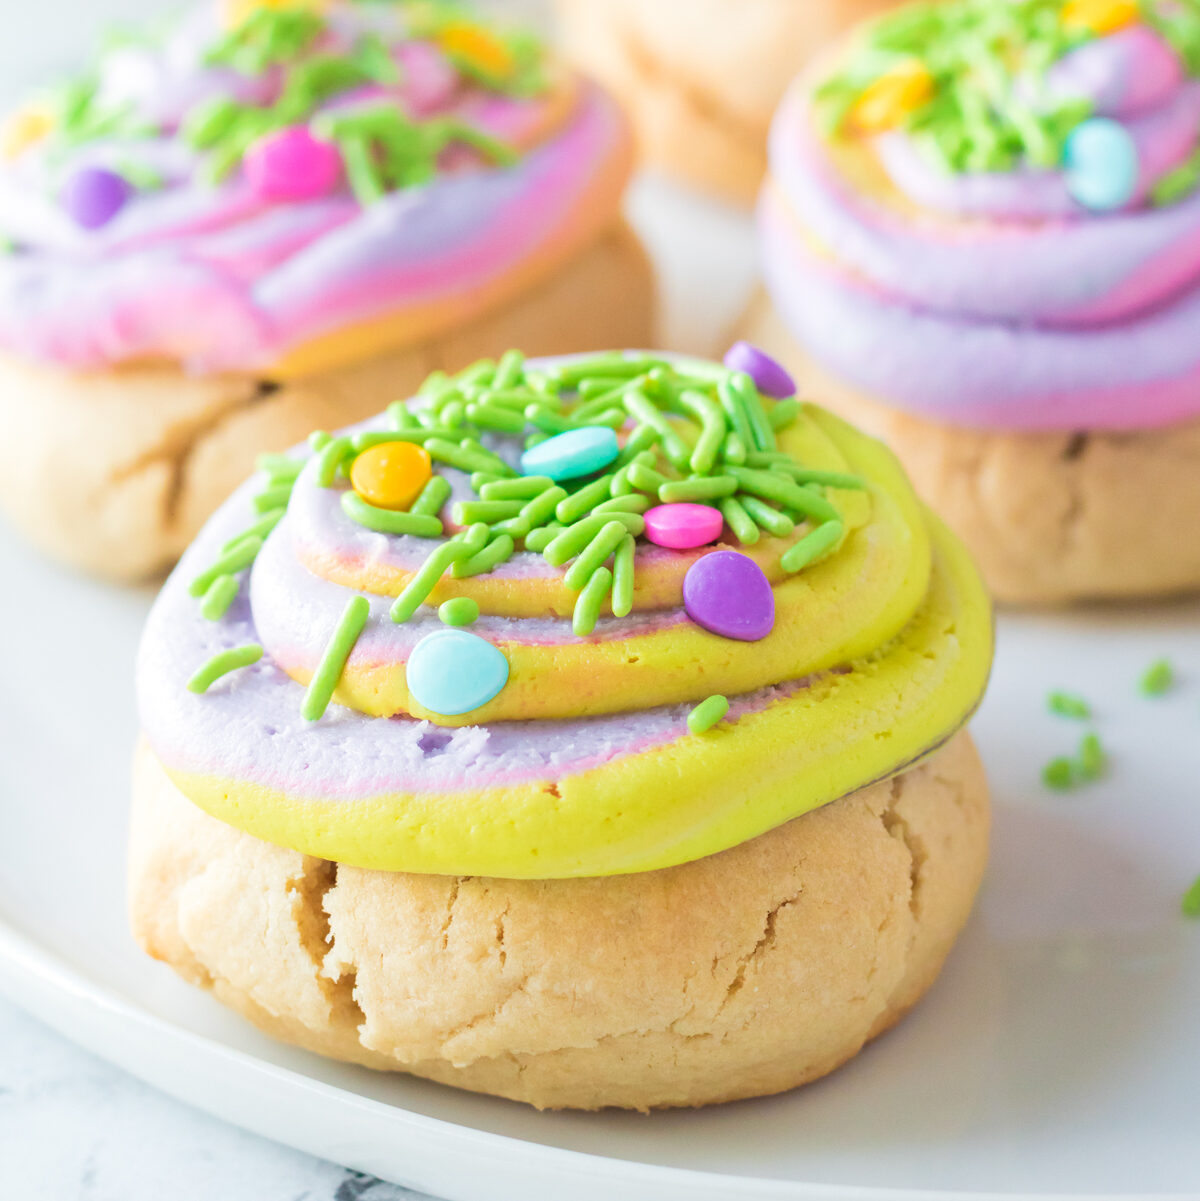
(452, 671)
(573, 454)
(1101, 165)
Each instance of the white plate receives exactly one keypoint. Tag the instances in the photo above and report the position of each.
(1059, 1055)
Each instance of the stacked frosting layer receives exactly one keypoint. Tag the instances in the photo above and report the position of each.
(987, 213)
(292, 186)
(514, 673)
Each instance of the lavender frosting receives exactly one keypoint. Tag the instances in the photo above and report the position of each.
(994, 300)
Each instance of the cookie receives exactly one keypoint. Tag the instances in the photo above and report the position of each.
(1008, 303)
(702, 78)
(491, 656)
(738, 975)
(259, 218)
(140, 456)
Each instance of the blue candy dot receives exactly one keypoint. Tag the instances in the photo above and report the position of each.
(452, 671)
(1101, 164)
(573, 454)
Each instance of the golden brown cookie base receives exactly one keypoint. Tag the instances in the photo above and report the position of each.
(740, 975)
(702, 78)
(1051, 518)
(115, 472)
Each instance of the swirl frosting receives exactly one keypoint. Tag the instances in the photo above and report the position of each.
(289, 187)
(585, 762)
(987, 214)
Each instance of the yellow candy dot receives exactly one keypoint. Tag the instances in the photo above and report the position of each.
(25, 128)
(895, 94)
(477, 46)
(1100, 16)
(391, 476)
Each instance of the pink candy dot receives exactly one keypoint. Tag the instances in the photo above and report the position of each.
(683, 526)
(291, 164)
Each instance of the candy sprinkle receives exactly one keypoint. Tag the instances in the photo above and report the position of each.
(1064, 704)
(460, 611)
(333, 661)
(1157, 678)
(451, 672)
(222, 664)
(706, 714)
(1191, 900)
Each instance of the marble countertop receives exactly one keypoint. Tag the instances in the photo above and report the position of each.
(74, 1128)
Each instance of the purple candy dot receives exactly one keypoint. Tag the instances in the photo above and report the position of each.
(93, 196)
(768, 376)
(727, 594)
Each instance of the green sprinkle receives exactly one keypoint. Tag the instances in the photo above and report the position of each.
(515, 527)
(739, 521)
(389, 521)
(624, 504)
(1191, 900)
(468, 511)
(761, 434)
(623, 577)
(360, 442)
(474, 538)
(594, 555)
(509, 369)
(644, 410)
(542, 507)
(707, 713)
(218, 597)
(778, 524)
(221, 664)
(260, 529)
(783, 414)
(734, 450)
(467, 458)
(236, 559)
(433, 496)
(548, 421)
(1060, 774)
(329, 459)
(426, 578)
(812, 547)
(498, 551)
(620, 485)
(583, 501)
(644, 437)
(712, 429)
(823, 479)
(590, 601)
(1092, 759)
(333, 661)
(541, 538)
(575, 537)
(401, 416)
(279, 467)
(1158, 678)
(524, 488)
(645, 478)
(461, 611)
(735, 412)
(785, 492)
(713, 487)
(496, 417)
(1064, 704)
(273, 498)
